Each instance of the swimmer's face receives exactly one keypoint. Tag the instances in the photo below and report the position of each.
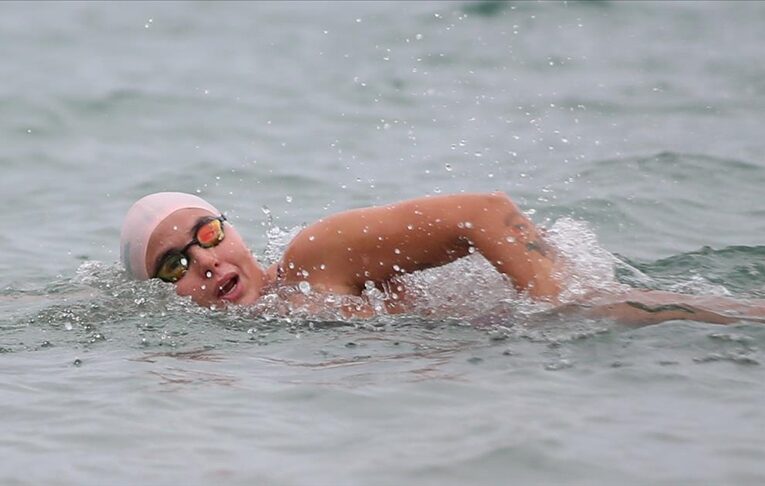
(226, 272)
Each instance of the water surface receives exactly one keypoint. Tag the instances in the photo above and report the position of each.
(634, 128)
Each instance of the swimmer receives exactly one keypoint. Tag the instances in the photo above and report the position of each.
(184, 240)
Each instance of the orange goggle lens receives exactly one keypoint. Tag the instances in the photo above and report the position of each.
(210, 234)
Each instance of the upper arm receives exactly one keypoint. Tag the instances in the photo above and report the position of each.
(347, 249)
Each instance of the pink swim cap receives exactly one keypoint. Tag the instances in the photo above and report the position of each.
(141, 221)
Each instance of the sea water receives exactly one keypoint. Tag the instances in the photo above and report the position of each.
(633, 131)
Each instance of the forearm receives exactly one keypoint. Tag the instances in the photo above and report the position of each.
(516, 247)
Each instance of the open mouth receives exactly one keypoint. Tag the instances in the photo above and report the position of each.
(227, 286)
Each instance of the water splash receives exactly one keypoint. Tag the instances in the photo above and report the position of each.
(278, 240)
(465, 288)
(590, 267)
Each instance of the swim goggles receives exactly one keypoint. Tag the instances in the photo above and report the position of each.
(174, 264)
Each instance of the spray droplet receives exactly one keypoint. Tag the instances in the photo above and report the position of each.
(448, 167)
(510, 239)
(208, 274)
(288, 199)
(204, 287)
(397, 251)
(471, 250)
(304, 287)
(291, 265)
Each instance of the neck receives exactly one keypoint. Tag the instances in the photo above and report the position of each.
(271, 275)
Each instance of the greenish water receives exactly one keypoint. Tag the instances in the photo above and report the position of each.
(632, 129)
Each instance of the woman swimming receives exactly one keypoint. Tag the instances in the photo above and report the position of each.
(183, 239)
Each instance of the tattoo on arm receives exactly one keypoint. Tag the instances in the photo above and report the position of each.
(510, 218)
(540, 247)
(519, 224)
(661, 308)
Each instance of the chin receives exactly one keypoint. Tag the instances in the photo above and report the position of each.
(249, 297)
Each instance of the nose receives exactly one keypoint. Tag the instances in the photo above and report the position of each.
(205, 259)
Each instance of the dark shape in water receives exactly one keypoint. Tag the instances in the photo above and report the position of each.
(486, 8)
(491, 8)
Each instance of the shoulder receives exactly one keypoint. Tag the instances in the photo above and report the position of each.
(319, 254)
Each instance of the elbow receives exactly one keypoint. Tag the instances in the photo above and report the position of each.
(495, 210)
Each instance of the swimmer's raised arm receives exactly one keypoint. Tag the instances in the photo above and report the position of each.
(340, 253)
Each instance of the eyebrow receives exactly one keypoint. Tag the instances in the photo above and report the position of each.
(192, 232)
